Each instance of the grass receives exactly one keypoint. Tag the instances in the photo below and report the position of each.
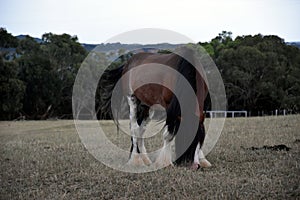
(46, 160)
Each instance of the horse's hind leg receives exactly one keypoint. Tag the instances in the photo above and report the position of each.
(199, 158)
(203, 161)
(134, 158)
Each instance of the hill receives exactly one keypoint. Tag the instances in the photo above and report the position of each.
(109, 47)
(296, 44)
(116, 46)
(20, 37)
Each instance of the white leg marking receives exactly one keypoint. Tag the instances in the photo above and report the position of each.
(134, 144)
(199, 159)
(135, 158)
(196, 156)
(203, 162)
(165, 156)
(132, 113)
(201, 154)
(141, 144)
(196, 163)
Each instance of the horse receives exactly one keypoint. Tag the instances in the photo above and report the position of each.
(141, 98)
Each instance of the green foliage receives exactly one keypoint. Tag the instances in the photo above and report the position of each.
(11, 90)
(164, 51)
(65, 55)
(259, 72)
(36, 80)
(41, 84)
(7, 40)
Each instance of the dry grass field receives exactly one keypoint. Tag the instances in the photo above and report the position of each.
(46, 160)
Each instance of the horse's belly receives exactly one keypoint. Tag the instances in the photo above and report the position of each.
(151, 94)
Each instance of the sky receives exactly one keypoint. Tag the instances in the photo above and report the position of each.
(96, 21)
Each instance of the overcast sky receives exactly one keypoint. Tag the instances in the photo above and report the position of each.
(95, 21)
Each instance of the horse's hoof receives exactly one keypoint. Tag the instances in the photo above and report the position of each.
(146, 159)
(205, 163)
(195, 166)
(163, 161)
(164, 158)
(135, 160)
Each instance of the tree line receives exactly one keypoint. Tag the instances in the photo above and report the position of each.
(36, 80)
(260, 73)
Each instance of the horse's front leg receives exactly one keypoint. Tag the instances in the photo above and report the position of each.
(134, 158)
(165, 155)
(199, 159)
(203, 161)
(141, 144)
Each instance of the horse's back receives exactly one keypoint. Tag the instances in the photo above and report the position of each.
(154, 64)
(171, 60)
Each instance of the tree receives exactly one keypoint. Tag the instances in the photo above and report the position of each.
(41, 85)
(7, 40)
(65, 56)
(259, 72)
(11, 90)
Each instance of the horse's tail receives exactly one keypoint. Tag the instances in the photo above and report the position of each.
(107, 84)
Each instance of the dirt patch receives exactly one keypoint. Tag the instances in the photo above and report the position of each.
(280, 147)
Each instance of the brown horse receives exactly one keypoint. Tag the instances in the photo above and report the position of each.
(141, 97)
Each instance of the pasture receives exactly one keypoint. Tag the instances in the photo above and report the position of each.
(46, 160)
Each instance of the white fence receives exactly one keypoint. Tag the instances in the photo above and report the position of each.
(275, 112)
(221, 113)
(243, 113)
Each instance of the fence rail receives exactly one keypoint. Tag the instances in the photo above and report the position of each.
(243, 113)
(220, 113)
